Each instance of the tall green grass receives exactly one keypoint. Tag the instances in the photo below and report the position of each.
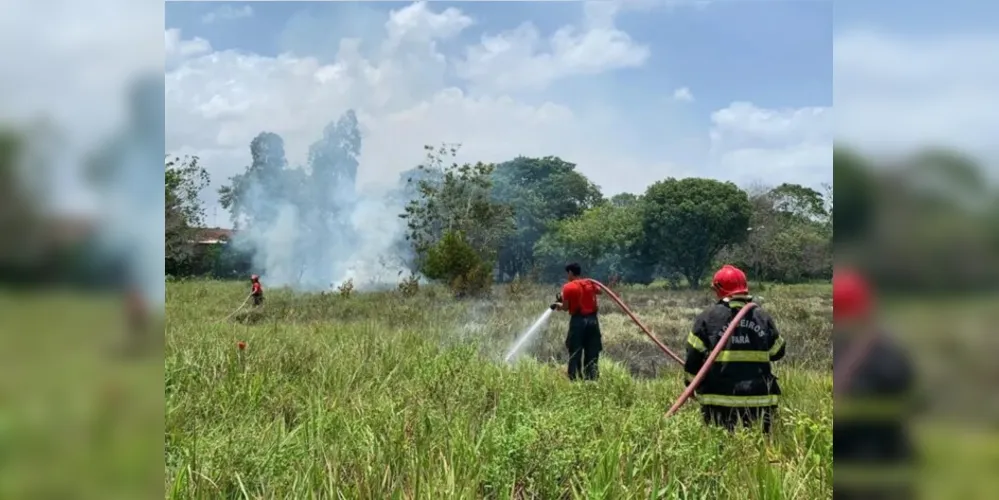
(383, 396)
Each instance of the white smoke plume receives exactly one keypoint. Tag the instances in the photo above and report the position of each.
(129, 184)
(308, 227)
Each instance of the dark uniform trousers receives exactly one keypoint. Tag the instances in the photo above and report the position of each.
(729, 417)
(584, 345)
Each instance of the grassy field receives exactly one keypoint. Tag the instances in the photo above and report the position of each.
(77, 419)
(952, 342)
(382, 396)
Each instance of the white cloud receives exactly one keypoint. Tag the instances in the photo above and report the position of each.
(897, 93)
(226, 13)
(417, 23)
(683, 94)
(521, 59)
(78, 65)
(177, 49)
(218, 101)
(751, 144)
(746, 122)
(76, 75)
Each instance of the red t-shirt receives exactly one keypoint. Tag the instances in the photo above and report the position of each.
(580, 296)
(257, 289)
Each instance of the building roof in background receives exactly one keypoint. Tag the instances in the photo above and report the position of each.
(213, 235)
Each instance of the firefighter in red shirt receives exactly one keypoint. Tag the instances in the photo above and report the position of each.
(256, 290)
(579, 298)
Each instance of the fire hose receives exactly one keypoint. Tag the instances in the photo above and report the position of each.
(247, 299)
(692, 386)
(634, 318)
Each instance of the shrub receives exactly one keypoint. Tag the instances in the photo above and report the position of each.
(409, 286)
(455, 262)
(346, 289)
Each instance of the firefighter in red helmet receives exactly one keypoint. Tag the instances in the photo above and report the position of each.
(873, 385)
(256, 290)
(740, 385)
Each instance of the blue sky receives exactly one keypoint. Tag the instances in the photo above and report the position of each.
(912, 75)
(759, 73)
(729, 51)
(922, 19)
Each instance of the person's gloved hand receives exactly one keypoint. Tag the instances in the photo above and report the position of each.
(555, 305)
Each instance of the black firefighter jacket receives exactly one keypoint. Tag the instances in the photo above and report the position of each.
(872, 448)
(741, 375)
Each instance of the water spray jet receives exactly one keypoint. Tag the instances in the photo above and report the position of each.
(540, 322)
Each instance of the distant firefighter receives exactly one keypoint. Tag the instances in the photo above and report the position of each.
(256, 291)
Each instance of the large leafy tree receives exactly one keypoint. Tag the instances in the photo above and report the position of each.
(789, 237)
(19, 217)
(930, 224)
(797, 202)
(250, 196)
(542, 191)
(326, 197)
(407, 191)
(183, 181)
(857, 196)
(603, 240)
(323, 191)
(454, 212)
(687, 222)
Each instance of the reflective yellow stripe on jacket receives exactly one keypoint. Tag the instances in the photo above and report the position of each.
(777, 346)
(727, 356)
(695, 342)
(737, 401)
(743, 357)
(872, 408)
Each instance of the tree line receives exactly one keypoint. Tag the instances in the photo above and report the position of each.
(929, 221)
(472, 224)
(925, 223)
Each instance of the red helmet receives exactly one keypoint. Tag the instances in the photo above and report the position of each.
(729, 281)
(851, 295)
(254, 277)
